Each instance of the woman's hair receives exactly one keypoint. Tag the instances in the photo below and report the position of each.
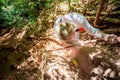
(66, 29)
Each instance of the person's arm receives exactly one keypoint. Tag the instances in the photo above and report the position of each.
(97, 33)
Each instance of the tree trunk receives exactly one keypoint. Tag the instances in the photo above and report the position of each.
(69, 5)
(99, 11)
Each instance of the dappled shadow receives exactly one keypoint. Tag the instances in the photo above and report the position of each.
(39, 58)
(9, 59)
(15, 51)
(23, 56)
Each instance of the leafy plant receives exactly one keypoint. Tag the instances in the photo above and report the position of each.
(20, 12)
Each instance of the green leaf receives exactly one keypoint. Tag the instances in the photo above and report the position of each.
(47, 5)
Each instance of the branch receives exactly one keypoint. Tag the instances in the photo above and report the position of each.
(107, 19)
(44, 38)
(116, 30)
(103, 13)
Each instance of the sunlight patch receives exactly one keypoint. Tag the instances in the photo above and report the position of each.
(21, 35)
(63, 7)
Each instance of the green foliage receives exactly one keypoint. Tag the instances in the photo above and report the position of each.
(74, 0)
(20, 12)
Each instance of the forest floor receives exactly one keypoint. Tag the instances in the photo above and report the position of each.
(24, 53)
(21, 56)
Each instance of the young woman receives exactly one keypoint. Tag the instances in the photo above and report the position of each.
(69, 26)
(68, 29)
